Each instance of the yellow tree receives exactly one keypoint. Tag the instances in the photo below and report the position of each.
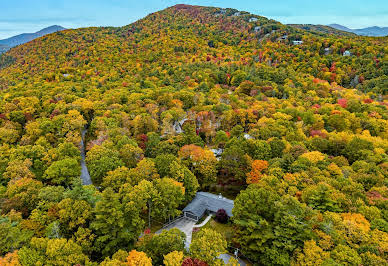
(136, 258)
(174, 258)
(312, 255)
(201, 162)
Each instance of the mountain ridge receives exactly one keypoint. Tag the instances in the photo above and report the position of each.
(373, 31)
(323, 29)
(182, 24)
(27, 37)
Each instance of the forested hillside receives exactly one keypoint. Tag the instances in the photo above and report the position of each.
(300, 130)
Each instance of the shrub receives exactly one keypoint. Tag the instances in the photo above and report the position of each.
(222, 216)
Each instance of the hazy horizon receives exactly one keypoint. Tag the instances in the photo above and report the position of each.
(24, 16)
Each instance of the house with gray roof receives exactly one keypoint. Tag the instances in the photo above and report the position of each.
(205, 202)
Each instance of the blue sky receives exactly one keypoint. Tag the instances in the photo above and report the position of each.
(18, 16)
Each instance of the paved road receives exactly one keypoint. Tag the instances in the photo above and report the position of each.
(86, 180)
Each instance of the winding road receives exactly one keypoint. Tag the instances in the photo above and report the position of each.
(84, 169)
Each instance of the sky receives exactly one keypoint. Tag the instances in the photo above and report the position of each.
(20, 16)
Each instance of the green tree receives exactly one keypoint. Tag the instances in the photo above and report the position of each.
(145, 170)
(238, 77)
(23, 194)
(182, 174)
(160, 245)
(162, 163)
(345, 255)
(12, 234)
(68, 150)
(141, 196)
(44, 251)
(277, 148)
(207, 245)
(116, 178)
(116, 226)
(63, 172)
(74, 214)
(270, 228)
(356, 149)
(100, 160)
(170, 195)
(131, 155)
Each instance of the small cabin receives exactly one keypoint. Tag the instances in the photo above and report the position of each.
(284, 37)
(297, 42)
(257, 29)
(327, 51)
(220, 12)
(253, 19)
(207, 203)
(217, 153)
(347, 53)
(236, 14)
(247, 136)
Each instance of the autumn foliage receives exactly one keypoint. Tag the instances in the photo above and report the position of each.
(258, 166)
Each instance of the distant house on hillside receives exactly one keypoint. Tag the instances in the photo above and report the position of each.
(236, 14)
(253, 19)
(217, 153)
(347, 53)
(297, 42)
(205, 202)
(327, 51)
(221, 12)
(257, 28)
(247, 136)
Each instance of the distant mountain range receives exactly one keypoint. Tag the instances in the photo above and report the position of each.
(322, 29)
(370, 31)
(3, 48)
(8, 43)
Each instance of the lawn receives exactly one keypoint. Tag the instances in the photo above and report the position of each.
(226, 230)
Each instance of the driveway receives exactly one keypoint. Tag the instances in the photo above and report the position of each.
(186, 226)
(226, 258)
(183, 224)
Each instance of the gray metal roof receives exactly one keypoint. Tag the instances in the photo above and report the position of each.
(207, 201)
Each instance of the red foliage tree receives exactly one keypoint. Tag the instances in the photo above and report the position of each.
(193, 262)
(342, 102)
